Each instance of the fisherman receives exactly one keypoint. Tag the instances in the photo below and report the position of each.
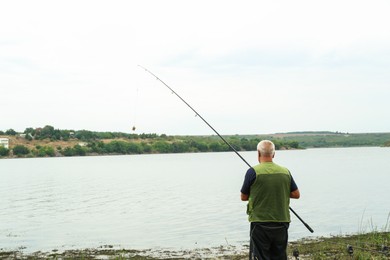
(268, 188)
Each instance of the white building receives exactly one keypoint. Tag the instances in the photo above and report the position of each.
(4, 142)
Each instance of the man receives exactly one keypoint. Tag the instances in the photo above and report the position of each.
(268, 188)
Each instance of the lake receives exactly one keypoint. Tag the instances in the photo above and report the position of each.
(181, 201)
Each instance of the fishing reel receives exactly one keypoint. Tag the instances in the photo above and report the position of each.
(350, 250)
(296, 253)
(385, 250)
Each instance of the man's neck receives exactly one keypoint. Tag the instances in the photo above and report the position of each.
(265, 159)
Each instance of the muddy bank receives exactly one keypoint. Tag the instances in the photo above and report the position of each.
(110, 252)
(373, 245)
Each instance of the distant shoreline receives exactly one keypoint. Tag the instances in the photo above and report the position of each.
(50, 142)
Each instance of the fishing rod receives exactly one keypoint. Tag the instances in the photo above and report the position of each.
(220, 136)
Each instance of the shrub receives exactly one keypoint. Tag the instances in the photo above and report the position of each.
(20, 150)
(79, 150)
(3, 151)
(68, 151)
(45, 151)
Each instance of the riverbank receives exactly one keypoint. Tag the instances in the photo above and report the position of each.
(50, 142)
(20, 147)
(374, 245)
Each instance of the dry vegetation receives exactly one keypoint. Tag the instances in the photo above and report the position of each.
(17, 140)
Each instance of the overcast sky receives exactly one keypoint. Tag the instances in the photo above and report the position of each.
(248, 67)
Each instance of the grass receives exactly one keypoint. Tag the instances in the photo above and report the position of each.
(363, 245)
(373, 245)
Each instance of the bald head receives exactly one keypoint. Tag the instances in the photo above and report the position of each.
(266, 148)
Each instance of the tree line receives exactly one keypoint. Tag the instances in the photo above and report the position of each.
(339, 139)
(49, 132)
(99, 143)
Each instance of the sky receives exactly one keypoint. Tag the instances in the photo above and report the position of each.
(247, 67)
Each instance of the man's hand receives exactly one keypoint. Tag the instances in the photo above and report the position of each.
(295, 194)
(244, 197)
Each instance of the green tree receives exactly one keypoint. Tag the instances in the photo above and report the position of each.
(86, 135)
(146, 148)
(44, 151)
(294, 144)
(249, 144)
(79, 150)
(29, 130)
(180, 147)
(68, 151)
(105, 135)
(133, 148)
(56, 135)
(116, 147)
(218, 147)
(199, 146)
(28, 137)
(10, 132)
(162, 147)
(40, 152)
(50, 151)
(96, 147)
(47, 132)
(65, 134)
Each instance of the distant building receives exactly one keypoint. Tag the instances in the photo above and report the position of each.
(4, 142)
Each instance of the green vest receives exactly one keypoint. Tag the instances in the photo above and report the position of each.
(269, 197)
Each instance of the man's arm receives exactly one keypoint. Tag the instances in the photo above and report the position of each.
(294, 194)
(250, 177)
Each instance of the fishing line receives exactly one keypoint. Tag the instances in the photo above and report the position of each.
(215, 131)
(135, 111)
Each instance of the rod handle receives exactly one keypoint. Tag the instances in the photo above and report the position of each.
(303, 222)
(308, 227)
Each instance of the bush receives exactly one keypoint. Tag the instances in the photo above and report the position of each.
(162, 147)
(45, 151)
(79, 150)
(3, 151)
(20, 150)
(68, 151)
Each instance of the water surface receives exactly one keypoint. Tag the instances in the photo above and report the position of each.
(180, 201)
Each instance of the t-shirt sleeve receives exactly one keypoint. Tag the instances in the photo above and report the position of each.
(250, 178)
(293, 185)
